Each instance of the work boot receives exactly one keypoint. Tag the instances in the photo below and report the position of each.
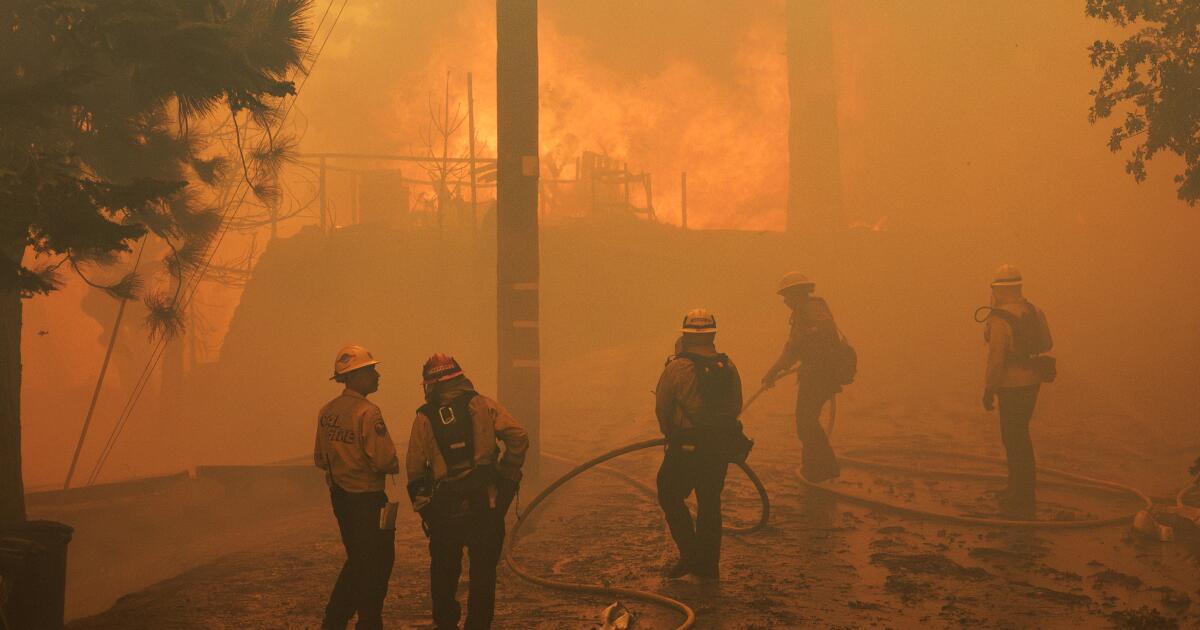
(707, 576)
(681, 568)
(819, 473)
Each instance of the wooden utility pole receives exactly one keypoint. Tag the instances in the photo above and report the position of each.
(471, 148)
(814, 173)
(683, 197)
(518, 354)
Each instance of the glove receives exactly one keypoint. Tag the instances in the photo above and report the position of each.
(768, 381)
(989, 399)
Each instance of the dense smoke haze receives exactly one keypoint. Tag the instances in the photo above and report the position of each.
(948, 135)
(690, 154)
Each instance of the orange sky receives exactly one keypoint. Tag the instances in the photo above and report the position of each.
(952, 115)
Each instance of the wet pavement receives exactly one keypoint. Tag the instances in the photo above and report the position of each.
(819, 563)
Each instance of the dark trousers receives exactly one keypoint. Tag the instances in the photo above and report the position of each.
(1016, 410)
(370, 552)
(682, 472)
(818, 460)
(483, 538)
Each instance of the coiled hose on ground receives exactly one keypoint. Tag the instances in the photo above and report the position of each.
(1058, 478)
(682, 608)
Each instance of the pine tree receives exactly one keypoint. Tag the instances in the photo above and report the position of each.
(98, 149)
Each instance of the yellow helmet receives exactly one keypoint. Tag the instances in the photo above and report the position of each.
(795, 280)
(1006, 276)
(351, 358)
(699, 321)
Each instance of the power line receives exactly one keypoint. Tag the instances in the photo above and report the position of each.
(112, 342)
(197, 276)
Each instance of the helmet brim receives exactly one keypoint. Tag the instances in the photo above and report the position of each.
(357, 367)
(697, 331)
(805, 286)
(1007, 283)
(442, 379)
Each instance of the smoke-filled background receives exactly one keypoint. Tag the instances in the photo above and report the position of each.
(962, 142)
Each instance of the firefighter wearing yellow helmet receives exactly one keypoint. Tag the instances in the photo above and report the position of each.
(697, 402)
(355, 451)
(826, 364)
(462, 484)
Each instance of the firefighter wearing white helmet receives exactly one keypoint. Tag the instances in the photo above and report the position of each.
(795, 281)
(355, 451)
(826, 364)
(697, 402)
(1017, 336)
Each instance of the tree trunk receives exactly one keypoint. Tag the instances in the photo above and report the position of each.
(814, 172)
(12, 487)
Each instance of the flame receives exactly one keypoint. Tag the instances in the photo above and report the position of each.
(725, 126)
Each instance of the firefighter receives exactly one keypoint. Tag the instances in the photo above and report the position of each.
(814, 342)
(355, 451)
(1017, 334)
(697, 402)
(462, 484)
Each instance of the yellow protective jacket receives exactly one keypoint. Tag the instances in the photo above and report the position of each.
(353, 446)
(1004, 368)
(677, 398)
(491, 423)
(811, 338)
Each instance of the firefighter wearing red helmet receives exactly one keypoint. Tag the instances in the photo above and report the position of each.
(355, 451)
(462, 483)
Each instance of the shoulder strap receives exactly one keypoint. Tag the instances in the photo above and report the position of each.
(1024, 328)
(710, 380)
(1005, 315)
(453, 429)
(704, 359)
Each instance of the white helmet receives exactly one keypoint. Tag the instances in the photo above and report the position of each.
(699, 321)
(1006, 276)
(351, 358)
(795, 280)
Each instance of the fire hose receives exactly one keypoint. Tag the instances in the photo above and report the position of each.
(595, 589)
(1059, 478)
(684, 609)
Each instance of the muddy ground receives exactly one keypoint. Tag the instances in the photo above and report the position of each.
(821, 562)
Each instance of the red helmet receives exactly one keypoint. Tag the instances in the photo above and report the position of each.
(440, 367)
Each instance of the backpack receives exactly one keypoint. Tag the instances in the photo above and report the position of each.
(715, 383)
(454, 432)
(718, 429)
(836, 359)
(1029, 331)
(843, 361)
(1030, 340)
